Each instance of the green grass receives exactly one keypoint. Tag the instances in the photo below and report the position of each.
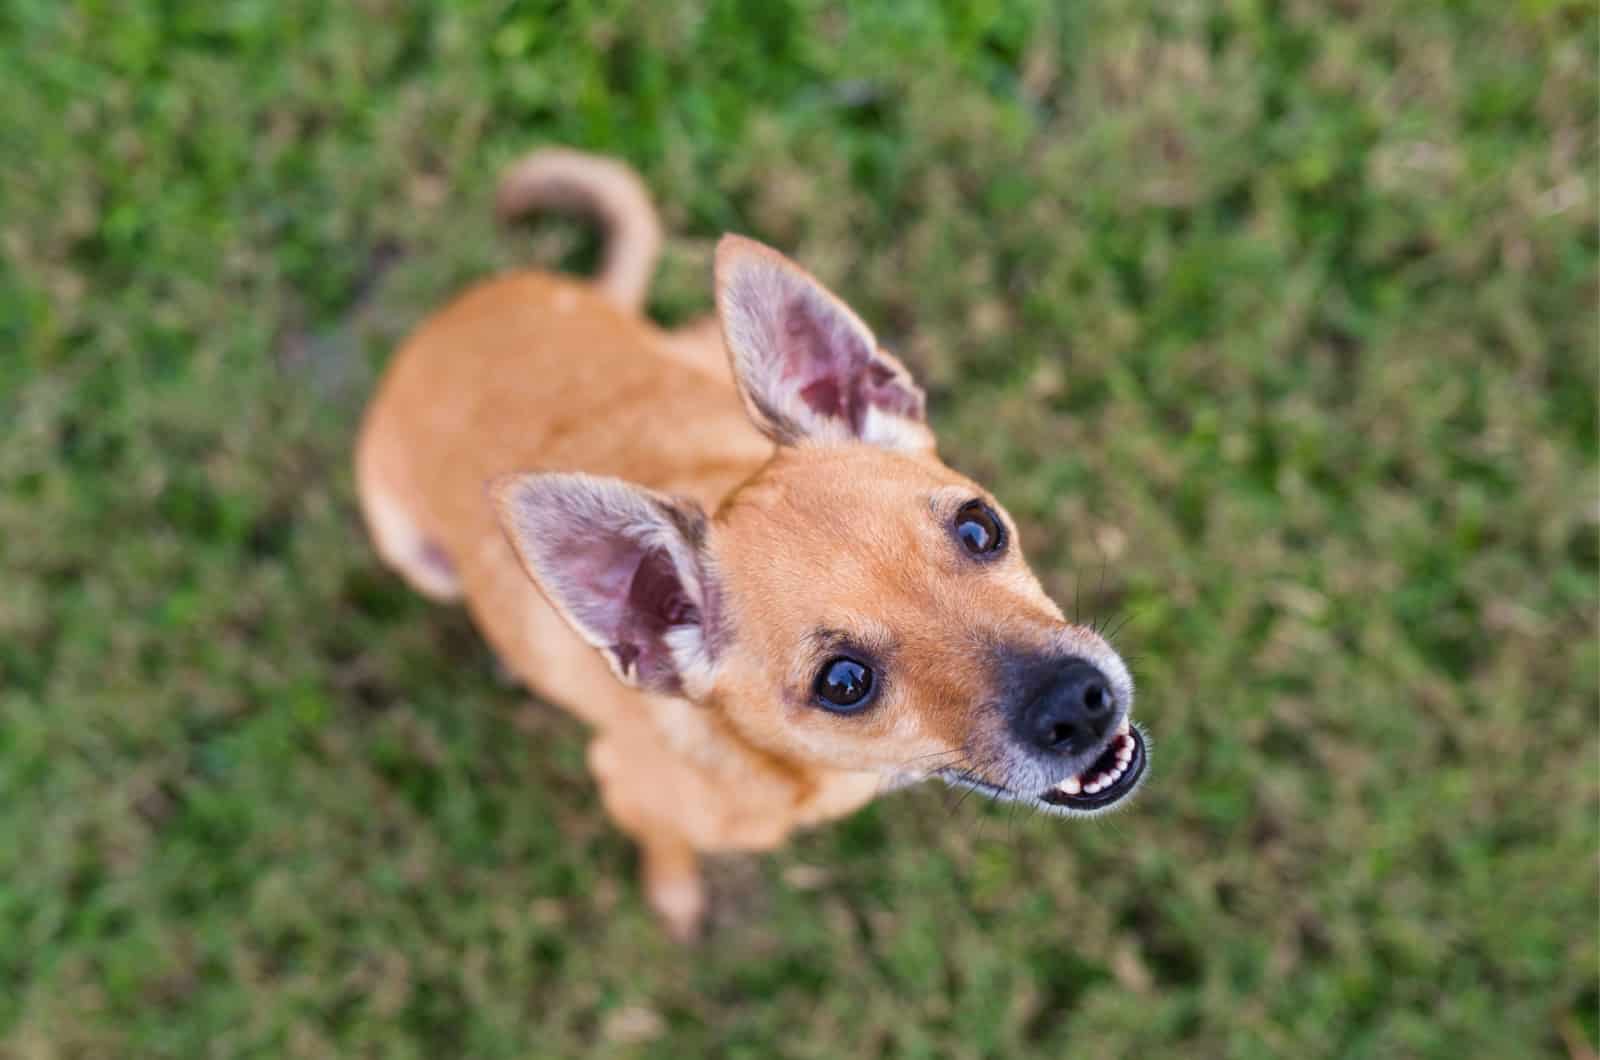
(1274, 323)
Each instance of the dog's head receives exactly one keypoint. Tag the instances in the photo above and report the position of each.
(855, 604)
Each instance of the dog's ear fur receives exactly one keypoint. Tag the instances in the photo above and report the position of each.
(807, 367)
(627, 568)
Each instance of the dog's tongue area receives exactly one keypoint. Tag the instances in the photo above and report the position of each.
(1112, 765)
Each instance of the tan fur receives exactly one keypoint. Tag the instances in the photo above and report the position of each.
(531, 372)
(607, 189)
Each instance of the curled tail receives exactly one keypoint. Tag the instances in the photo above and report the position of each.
(605, 189)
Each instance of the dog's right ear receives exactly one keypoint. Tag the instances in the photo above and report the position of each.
(626, 567)
(807, 367)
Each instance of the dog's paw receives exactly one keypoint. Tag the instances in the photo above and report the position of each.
(677, 894)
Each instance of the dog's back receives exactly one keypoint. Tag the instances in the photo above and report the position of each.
(537, 372)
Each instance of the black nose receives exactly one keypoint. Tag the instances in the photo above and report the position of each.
(1072, 711)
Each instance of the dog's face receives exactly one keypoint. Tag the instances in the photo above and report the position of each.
(856, 604)
(881, 617)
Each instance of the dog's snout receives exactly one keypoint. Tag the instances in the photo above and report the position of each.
(1072, 712)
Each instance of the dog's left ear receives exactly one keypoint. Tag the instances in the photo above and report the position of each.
(807, 367)
(627, 568)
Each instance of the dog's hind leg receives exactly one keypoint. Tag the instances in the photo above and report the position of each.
(421, 562)
(400, 542)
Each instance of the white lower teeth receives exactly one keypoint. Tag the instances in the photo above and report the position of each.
(1101, 781)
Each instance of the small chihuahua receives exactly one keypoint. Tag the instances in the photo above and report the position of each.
(730, 548)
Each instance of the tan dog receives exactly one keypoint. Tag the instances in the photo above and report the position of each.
(734, 551)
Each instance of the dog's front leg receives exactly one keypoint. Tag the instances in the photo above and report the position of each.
(673, 884)
(640, 800)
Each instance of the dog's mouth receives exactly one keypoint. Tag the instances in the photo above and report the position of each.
(1114, 775)
(1109, 779)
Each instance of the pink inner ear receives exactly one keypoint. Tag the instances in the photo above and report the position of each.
(626, 566)
(833, 368)
(630, 596)
(823, 397)
(656, 602)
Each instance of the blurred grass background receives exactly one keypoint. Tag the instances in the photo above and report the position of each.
(1273, 322)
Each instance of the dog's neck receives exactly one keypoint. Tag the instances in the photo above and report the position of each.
(790, 793)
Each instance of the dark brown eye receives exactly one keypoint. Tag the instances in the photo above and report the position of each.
(844, 684)
(979, 528)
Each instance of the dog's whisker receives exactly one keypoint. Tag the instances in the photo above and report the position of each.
(1100, 587)
(1127, 616)
(932, 754)
(928, 765)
